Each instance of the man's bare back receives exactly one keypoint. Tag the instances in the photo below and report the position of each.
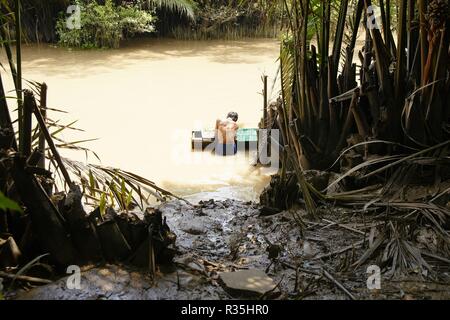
(226, 131)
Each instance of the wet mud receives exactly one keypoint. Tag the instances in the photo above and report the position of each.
(306, 258)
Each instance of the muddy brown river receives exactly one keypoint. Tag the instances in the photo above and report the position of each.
(142, 101)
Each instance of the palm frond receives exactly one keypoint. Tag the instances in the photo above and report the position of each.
(185, 7)
(101, 179)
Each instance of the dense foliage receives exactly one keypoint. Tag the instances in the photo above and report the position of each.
(191, 19)
(230, 19)
(105, 25)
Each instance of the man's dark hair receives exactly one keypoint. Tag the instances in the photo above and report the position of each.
(233, 115)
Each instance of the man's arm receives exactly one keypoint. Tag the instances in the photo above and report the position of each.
(216, 132)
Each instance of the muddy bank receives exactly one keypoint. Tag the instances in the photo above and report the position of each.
(305, 258)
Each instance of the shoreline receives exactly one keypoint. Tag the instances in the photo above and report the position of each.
(313, 262)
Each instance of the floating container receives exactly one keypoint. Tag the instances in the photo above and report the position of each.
(246, 137)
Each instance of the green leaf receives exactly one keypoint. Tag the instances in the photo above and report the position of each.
(112, 199)
(129, 198)
(123, 190)
(102, 204)
(8, 204)
(92, 183)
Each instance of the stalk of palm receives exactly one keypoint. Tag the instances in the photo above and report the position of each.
(323, 106)
(387, 128)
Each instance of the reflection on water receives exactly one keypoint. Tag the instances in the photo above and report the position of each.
(143, 100)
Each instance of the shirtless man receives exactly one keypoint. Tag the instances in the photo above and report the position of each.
(226, 135)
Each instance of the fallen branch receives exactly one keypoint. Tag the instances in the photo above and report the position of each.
(272, 290)
(337, 283)
(343, 226)
(430, 255)
(330, 254)
(323, 273)
(25, 278)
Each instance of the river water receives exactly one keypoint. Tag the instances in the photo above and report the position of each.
(142, 101)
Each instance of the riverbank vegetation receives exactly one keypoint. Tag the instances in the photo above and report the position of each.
(44, 197)
(365, 135)
(375, 119)
(103, 23)
(230, 19)
(104, 26)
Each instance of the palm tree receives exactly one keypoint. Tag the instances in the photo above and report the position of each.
(185, 7)
(382, 119)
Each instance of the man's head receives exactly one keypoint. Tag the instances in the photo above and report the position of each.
(233, 116)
